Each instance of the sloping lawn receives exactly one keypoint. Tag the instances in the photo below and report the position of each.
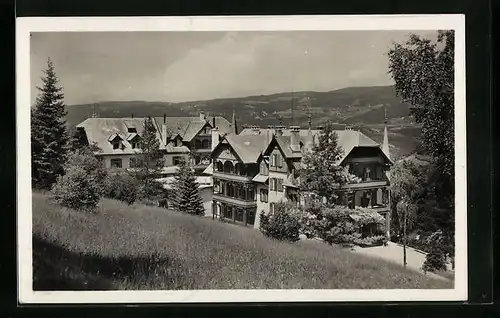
(139, 247)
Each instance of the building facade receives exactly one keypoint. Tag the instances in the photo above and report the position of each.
(258, 168)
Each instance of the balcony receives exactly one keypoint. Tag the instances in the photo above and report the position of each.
(366, 184)
(202, 150)
(232, 176)
(234, 201)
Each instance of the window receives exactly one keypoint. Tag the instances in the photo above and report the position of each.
(264, 195)
(217, 186)
(132, 130)
(238, 215)
(272, 205)
(279, 185)
(263, 168)
(177, 160)
(116, 144)
(205, 144)
(228, 212)
(136, 144)
(272, 160)
(250, 217)
(134, 162)
(272, 184)
(116, 163)
(219, 166)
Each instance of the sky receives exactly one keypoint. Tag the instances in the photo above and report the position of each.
(189, 66)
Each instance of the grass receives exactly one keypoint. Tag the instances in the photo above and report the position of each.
(139, 247)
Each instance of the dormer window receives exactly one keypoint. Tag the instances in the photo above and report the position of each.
(116, 141)
(132, 130)
(136, 144)
(116, 144)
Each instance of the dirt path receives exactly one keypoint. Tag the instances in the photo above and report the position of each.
(394, 253)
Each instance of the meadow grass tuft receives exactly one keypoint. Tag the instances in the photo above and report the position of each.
(144, 247)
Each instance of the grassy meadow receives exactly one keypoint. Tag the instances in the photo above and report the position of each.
(141, 247)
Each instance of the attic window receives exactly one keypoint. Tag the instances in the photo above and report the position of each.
(116, 143)
(132, 130)
(247, 143)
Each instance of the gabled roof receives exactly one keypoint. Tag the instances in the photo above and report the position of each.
(247, 148)
(189, 127)
(99, 130)
(347, 140)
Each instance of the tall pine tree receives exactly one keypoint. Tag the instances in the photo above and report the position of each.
(187, 198)
(49, 134)
(321, 173)
(149, 162)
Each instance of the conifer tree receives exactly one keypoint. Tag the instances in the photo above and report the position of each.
(49, 134)
(187, 198)
(321, 174)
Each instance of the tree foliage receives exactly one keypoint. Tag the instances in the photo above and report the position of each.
(282, 223)
(187, 198)
(321, 174)
(149, 156)
(332, 224)
(423, 72)
(81, 186)
(49, 134)
(121, 185)
(407, 191)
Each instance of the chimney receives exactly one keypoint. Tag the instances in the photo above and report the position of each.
(164, 134)
(279, 130)
(295, 138)
(202, 116)
(164, 118)
(213, 122)
(215, 137)
(132, 115)
(234, 127)
(256, 129)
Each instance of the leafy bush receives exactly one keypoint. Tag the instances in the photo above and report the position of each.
(150, 192)
(81, 186)
(281, 224)
(332, 224)
(122, 186)
(436, 258)
(435, 261)
(371, 240)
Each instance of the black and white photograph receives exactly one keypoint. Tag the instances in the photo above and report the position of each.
(242, 159)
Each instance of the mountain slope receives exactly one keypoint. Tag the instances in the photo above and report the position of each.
(360, 107)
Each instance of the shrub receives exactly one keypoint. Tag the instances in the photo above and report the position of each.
(150, 192)
(330, 223)
(435, 261)
(281, 224)
(81, 186)
(122, 186)
(436, 258)
(371, 240)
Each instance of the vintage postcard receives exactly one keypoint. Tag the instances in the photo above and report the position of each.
(241, 159)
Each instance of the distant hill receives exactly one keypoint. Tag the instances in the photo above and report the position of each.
(360, 107)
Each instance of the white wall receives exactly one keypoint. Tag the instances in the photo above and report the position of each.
(206, 196)
(125, 160)
(261, 206)
(276, 196)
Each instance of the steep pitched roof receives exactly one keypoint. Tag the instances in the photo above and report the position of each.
(248, 148)
(189, 127)
(347, 140)
(99, 130)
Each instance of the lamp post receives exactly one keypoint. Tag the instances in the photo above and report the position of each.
(404, 234)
